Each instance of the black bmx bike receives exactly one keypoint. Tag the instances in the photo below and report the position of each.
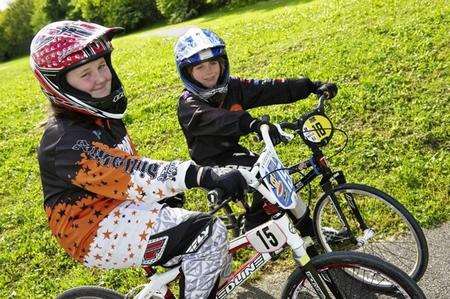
(348, 216)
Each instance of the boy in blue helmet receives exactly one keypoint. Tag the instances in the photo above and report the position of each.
(212, 109)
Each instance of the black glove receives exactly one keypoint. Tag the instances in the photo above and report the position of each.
(328, 89)
(275, 136)
(232, 183)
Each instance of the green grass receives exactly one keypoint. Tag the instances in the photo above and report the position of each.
(390, 59)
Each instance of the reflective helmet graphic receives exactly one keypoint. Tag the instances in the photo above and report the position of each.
(195, 46)
(62, 46)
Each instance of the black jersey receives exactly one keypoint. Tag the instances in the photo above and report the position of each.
(214, 130)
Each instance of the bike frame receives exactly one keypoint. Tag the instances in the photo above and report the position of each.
(268, 239)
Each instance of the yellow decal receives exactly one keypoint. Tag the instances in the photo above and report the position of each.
(317, 128)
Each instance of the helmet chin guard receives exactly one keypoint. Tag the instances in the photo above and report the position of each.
(62, 46)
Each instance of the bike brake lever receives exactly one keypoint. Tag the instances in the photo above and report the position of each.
(285, 137)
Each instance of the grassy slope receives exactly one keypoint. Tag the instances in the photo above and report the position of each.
(390, 59)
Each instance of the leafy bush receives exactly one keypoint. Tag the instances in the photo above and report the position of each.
(130, 14)
(16, 32)
(47, 11)
(3, 45)
(178, 10)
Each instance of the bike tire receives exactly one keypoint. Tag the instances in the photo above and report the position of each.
(90, 292)
(407, 250)
(335, 267)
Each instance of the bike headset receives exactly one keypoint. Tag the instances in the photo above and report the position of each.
(197, 46)
(65, 45)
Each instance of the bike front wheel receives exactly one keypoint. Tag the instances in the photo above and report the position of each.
(339, 269)
(90, 292)
(387, 231)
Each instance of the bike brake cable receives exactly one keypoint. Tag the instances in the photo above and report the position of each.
(342, 147)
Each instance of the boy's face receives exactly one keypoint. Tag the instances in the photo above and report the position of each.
(93, 78)
(207, 73)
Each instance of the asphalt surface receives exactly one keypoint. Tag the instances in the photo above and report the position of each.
(167, 32)
(435, 283)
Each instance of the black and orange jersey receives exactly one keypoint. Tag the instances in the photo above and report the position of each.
(89, 167)
(213, 130)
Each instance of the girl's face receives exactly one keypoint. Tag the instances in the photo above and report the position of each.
(93, 78)
(207, 73)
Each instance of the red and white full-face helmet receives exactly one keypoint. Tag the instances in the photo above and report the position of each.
(62, 46)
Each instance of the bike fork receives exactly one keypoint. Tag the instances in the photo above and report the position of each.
(318, 283)
(340, 179)
(326, 187)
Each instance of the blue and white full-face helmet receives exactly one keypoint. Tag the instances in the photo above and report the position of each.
(194, 47)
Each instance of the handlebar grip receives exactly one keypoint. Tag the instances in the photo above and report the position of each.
(265, 119)
(288, 125)
(215, 196)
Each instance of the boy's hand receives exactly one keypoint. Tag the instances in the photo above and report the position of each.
(329, 90)
(232, 183)
(275, 136)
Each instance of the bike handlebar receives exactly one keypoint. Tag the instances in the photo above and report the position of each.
(322, 98)
(294, 126)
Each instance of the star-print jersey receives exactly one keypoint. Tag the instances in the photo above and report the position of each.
(93, 180)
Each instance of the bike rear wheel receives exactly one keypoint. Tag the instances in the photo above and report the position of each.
(340, 268)
(90, 292)
(394, 235)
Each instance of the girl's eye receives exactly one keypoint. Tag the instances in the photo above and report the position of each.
(85, 75)
(101, 66)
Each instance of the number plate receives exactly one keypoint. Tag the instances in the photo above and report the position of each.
(317, 128)
(277, 180)
(266, 238)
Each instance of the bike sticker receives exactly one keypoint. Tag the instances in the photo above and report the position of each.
(200, 239)
(155, 249)
(278, 180)
(266, 238)
(317, 128)
(241, 275)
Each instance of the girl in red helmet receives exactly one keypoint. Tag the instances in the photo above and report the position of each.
(102, 199)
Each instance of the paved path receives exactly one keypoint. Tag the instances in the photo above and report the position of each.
(167, 32)
(435, 283)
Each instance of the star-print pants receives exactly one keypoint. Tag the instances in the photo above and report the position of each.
(156, 234)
